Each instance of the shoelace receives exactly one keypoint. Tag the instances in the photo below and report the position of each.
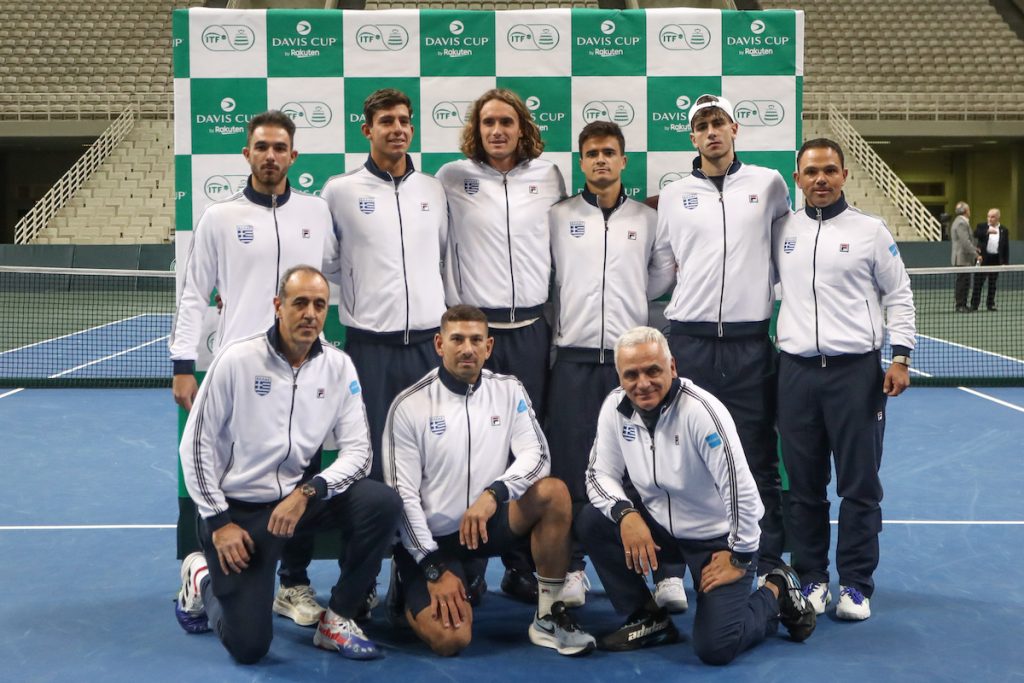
(577, 577)
(854, 594)
(810, 588)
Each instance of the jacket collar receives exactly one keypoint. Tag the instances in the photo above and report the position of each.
(265, 199)
(733, 167)
(373, 168)
(627, 408)
(274, 339)
(827, 212)
(456, 385)
(591, 198)
(484, 166)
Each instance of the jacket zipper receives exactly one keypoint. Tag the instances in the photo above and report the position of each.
(405, 275)
(291, 413)
(277, 232)
(814, 290)
(725, 254)
(604, 276)
(508, 233)
(654, 473)
(469, 448)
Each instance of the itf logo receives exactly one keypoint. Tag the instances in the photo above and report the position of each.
(228, 38)
(382, 37)
(308, 114)
(219, 187)
(451, 114)
(759, 113)
(615, 111)
(684, 37)
(671, 177)
(533, 37)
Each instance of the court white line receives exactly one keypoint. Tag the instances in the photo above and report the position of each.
(72, 334)
(84, 527)
(1006, 404)
(971, 348)
(113, 355)
(12, 392)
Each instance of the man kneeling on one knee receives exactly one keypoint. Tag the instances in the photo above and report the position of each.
(446, 445)
(698, 504)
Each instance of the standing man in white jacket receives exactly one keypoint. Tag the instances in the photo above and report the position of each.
(499, 251)
(840, 270)
(698, 504)
(719, 222)
(240, 247)
(267, 404)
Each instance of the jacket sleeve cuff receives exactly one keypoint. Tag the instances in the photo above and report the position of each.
(221, 519)
(743, 557)
(320, 484)
(184, 367)
(618, 508)
(430, 558)
(898, 350)
(501, 489)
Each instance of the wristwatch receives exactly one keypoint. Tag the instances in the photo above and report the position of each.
(434, 570)
(308, 490)
(902, 360)
(738, 563)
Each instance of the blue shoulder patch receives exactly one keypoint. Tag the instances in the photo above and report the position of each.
(713, 439)
(893, 250)
(354, 387)
(521, 408)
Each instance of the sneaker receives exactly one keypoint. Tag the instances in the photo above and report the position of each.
(519, 585)
(371, 601)
(394, 601)
(852, 605)
(298, 604)
(643, 629)
(670, 594)
(818, 595)
(188, 606)
(476, 590)
(795, 612)
(560, 631)
(574, 590)
(341, 635)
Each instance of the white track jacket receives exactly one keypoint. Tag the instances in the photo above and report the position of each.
(446, 441)
(257, 422)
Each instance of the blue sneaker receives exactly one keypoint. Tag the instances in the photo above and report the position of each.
(853, 605)
(341, 635)
(188, 606)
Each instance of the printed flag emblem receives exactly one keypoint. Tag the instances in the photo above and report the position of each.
(262, 385)
(367, 205)
(629, 432)
(437, 424)
(714, 440)
(245, 233)
(789, 245)
(690, 201)
(844, 248)
(577, 228)
(471, 185)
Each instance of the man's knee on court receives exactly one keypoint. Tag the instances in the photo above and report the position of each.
(716, 652)
(248, 649)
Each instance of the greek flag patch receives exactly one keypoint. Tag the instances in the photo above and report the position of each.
(262, 385)
(521, 408)
(471, 185)
(245, 233)
(367, 205)
(629, 431)
(354, 388)
(893, 250)
(437, 424)
(789, 245)
(690, 201)
(713, 439)
(577, 228)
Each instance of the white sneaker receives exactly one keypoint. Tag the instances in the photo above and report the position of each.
(298, 604)
(818, 595)
(670, 594)
(335, 632)
(188, 606)
(574, 590)
(560, 632)
(852, 605)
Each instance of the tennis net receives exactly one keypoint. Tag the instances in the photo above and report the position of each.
(76, 327)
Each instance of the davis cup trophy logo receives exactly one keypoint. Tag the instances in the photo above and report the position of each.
(759, 113)
(308, 114)
(532, 37)
(684, 37)
(616, 111)
(382, 37)
(228, 38)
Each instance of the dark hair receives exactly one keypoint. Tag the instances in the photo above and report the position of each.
(602, 129)
(463, 313)
(385, 98)
(274, 117)
(281, 287)
(530, 143)
(821, 143)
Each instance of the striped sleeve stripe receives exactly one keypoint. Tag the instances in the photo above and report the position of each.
(730, 459)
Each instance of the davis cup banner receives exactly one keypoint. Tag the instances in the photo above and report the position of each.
(641, 69)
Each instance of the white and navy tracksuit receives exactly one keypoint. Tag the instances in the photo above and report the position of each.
(839, 269)
(256, 425)
(499, 259)
(607, 265)
(721, 307)
(697, 497)
(242, 246)
(392, 236)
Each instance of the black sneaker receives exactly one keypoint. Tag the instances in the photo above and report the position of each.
(519, 585)
(394, 602)
(475, 590)
(644, 628)
(795, 611)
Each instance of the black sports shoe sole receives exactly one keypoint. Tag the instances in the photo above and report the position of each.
(665, 637)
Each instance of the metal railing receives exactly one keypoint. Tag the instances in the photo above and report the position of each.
(925, 224)
(920, 106)
(64, 189)
(62, 106)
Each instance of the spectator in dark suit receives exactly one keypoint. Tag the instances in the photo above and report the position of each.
(994, 245)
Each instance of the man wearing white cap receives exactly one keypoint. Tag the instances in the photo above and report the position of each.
(719, 221)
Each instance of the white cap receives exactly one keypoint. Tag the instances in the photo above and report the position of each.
(715, 101)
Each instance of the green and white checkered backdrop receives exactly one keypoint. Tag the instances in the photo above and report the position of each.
(641, 69)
